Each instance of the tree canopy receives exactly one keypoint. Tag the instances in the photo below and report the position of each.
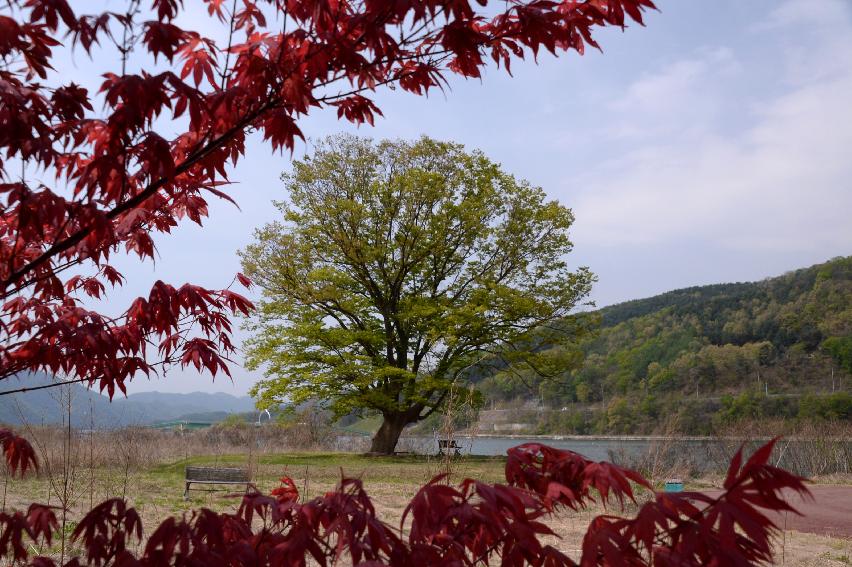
(397, 267)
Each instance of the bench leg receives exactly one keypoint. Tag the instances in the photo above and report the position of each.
(186, 491)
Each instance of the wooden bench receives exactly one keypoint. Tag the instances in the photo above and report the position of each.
(214, 475)
(448, 445)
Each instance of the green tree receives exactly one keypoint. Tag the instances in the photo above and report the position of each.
(620, 416)
(840, 349)
(395, 269)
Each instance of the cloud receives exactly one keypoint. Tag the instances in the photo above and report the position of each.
(767, 172)
(814, 37)
(804, 14)
(682, 96)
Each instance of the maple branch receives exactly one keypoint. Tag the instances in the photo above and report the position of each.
(142, 196)
(150, 190)
(225, 72)
(43, 386)
(193, 158)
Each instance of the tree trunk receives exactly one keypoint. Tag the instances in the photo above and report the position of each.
(385, 439)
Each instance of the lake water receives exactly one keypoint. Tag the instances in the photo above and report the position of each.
(594, 448)
(692, 451)
(681, 455)
(697, 454)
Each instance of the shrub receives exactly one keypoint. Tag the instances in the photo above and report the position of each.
(837, 406)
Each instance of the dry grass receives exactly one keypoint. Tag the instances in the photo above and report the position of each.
(156, 489)
(146, 467)
(140, 447)
(821, 451)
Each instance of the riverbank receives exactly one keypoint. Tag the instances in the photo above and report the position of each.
(661, 456)
(555, 437)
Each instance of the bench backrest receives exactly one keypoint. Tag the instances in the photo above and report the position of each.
(444, 443)
(217, 474)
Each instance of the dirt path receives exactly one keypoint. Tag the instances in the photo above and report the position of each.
(829, 513)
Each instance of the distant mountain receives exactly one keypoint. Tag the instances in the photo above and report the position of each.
(704, 356)
(48, 405)
(166, 407)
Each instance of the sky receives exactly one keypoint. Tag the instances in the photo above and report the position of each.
(712, 145)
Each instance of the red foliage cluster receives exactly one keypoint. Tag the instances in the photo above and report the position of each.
(475, 523)
(175, 107)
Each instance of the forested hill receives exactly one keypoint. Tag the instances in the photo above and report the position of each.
(805, 306)
(697, 358)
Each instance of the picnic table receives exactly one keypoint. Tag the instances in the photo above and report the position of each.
(448, 445)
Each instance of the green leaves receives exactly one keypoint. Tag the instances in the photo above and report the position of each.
(396, 266)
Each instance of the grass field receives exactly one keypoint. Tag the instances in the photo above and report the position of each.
(157, 492)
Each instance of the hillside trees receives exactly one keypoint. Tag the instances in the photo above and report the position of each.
(788, 336)
(396, 268)
(840, 349)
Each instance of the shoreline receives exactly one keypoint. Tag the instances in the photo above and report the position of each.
(556, 437)
(650, 438)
